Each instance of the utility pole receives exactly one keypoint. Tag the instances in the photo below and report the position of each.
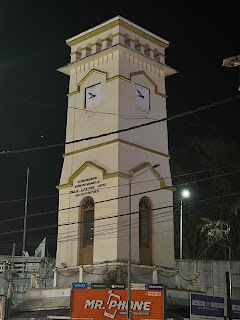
(229, 301)
(10, 285)
(25, 215)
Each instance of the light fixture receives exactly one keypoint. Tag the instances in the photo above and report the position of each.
(185, 193)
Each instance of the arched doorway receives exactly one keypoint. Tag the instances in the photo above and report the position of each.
(86, 231)
(145, 232)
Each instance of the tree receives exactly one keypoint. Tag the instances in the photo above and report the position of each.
(214, 207)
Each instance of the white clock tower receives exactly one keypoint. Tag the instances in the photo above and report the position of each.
(117, 81)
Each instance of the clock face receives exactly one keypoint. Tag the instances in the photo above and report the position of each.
(93, 95)
(142, 96)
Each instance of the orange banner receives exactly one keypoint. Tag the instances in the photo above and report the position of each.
(105, 304)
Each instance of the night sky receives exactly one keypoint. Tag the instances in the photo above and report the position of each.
(33, 98)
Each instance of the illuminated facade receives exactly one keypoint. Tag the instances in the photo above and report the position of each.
(117, 81)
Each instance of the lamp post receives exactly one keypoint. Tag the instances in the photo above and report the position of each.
(130, 236)
(25, 214)
(185, 194)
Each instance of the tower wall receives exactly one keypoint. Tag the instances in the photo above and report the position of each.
(118, 57)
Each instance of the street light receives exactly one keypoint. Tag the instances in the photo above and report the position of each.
(130, 235)
(25, 214)
(185, 194)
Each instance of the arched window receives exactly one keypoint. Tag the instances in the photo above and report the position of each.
(144, 223)
(88, 223)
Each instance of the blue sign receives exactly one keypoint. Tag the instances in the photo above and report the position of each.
(79, 285)
(155, 286)
(236, 309)
(206, 306)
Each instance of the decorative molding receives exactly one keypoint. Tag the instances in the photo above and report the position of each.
(89, 148)
(96, 167)
(99, 72)
(114, 141)
(153, 170)
(73, 53)
(143, 34)
(171, 188)
(93, 33)
(118, 34)
(132, 74)
(76, 173)
(72, 93)
(110, 26)
(118, 77)
(115, 174)
(145, 148)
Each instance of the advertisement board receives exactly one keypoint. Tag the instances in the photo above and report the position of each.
(137, 286)
(79, 285)
(204, 307)
(105, 304)
(236, 309)
(155, 286)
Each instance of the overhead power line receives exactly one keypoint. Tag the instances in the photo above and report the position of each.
(188, 208)
(112, 216)
(111, 227)
(158, 219)
(123, 116)
(122, 197)
(179, 115)
(136, 182)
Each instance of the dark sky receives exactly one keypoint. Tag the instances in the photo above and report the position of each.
(33, 94)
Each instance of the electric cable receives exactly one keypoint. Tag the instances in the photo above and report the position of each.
(104, 218)
(70, 237)
(62, 108)
(118, 198)
(112, 199)
(204, 199)
(179, 115)
(125, 184)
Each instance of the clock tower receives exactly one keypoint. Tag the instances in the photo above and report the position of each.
(117, 82)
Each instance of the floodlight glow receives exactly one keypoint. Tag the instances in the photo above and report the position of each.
(185, 193)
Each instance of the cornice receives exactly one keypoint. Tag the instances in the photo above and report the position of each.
(157, 64)
(92, 33)
(89, 148)
(114, 141)
(143, 34)
(111, 25)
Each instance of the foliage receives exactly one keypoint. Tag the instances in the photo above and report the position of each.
(215, 230)
(212, 213)
(113, 275)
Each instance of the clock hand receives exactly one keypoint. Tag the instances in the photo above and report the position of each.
(140, 95)
(92, 95)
